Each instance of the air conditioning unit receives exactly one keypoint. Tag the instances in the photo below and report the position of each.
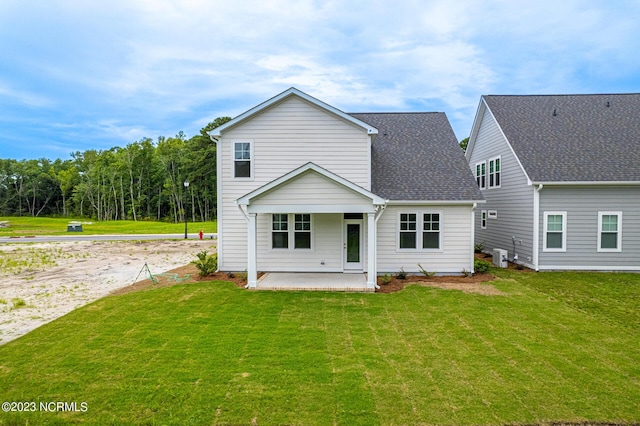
(500, 258)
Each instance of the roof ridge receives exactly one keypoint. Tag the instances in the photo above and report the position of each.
(399, 112)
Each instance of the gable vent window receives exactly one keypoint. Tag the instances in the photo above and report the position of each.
(242, 159)
(494, 173)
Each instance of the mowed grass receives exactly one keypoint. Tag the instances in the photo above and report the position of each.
(211, 353)
(25, 226)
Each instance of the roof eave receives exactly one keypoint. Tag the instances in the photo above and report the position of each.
(434, 202)
(587, 183)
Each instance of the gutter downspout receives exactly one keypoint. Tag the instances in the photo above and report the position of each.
(536, 225)
(473, 236)
(246, 217)
(380, 210)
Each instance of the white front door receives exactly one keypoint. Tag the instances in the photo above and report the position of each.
(352, 241)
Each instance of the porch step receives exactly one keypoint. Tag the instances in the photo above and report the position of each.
(323, 281)
(343, 289)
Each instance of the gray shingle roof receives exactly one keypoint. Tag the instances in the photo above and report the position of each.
(416, 156)
(589, 138)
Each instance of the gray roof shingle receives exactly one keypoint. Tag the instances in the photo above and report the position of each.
(588, 138)
(416, 156)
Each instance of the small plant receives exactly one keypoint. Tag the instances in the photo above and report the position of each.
(18, 303)
(231, 275)
(401, 275)
(207, 264)
(3, 302)
(467, 273)
(425, 272)
(481, 266)
(243, 275)
(478, 247)
(385, 279)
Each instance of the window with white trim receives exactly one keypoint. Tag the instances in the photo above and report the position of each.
(431, 231)
(494, 172)
(408, 231)
(242, 159)
(483, 219)
(609, 231)
(279, 231)
(297, 237)
(427, 237)
(481, 172)
(302, 231)
(555, 231)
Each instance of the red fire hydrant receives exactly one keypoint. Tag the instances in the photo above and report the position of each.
(200, 234)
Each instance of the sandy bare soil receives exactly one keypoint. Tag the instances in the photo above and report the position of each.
(41, 282)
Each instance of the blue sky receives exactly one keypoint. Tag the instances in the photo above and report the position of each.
(93, 74)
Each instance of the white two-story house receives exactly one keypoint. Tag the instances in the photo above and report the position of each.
(305, 187)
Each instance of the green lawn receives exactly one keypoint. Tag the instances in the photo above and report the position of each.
(22, 226)
(554, 348)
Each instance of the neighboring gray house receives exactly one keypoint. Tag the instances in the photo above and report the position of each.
(561, 177)
(305, 187)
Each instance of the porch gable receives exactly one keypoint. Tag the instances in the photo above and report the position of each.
(310, 189)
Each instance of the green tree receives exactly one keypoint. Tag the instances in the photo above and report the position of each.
(463, 144)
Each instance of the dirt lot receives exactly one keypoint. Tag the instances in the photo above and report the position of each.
(43, 281)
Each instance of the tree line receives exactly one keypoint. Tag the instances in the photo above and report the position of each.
(142, 181)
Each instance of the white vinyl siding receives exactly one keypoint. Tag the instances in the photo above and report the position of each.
(456, 247)
(555, 231)
(283, 138)
(310, 188)
(609, 231)
(325, 256)
(294, 132)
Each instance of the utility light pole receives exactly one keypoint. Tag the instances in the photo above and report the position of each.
(186, 187)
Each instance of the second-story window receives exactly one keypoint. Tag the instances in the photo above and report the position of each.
(494, 173)
(481, 175)
(242, 159)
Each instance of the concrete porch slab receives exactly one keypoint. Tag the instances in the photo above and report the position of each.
(314, 281)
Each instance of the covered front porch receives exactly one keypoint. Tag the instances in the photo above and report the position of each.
(314, 281)
(313, 222)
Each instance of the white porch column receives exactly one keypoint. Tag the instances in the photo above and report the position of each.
(371, 250)
(252, 267)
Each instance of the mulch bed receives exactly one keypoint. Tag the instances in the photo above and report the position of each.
(189, 273)
(471, 284)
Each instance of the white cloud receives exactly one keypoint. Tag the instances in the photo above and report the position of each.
(25, 98)
(127, 69)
